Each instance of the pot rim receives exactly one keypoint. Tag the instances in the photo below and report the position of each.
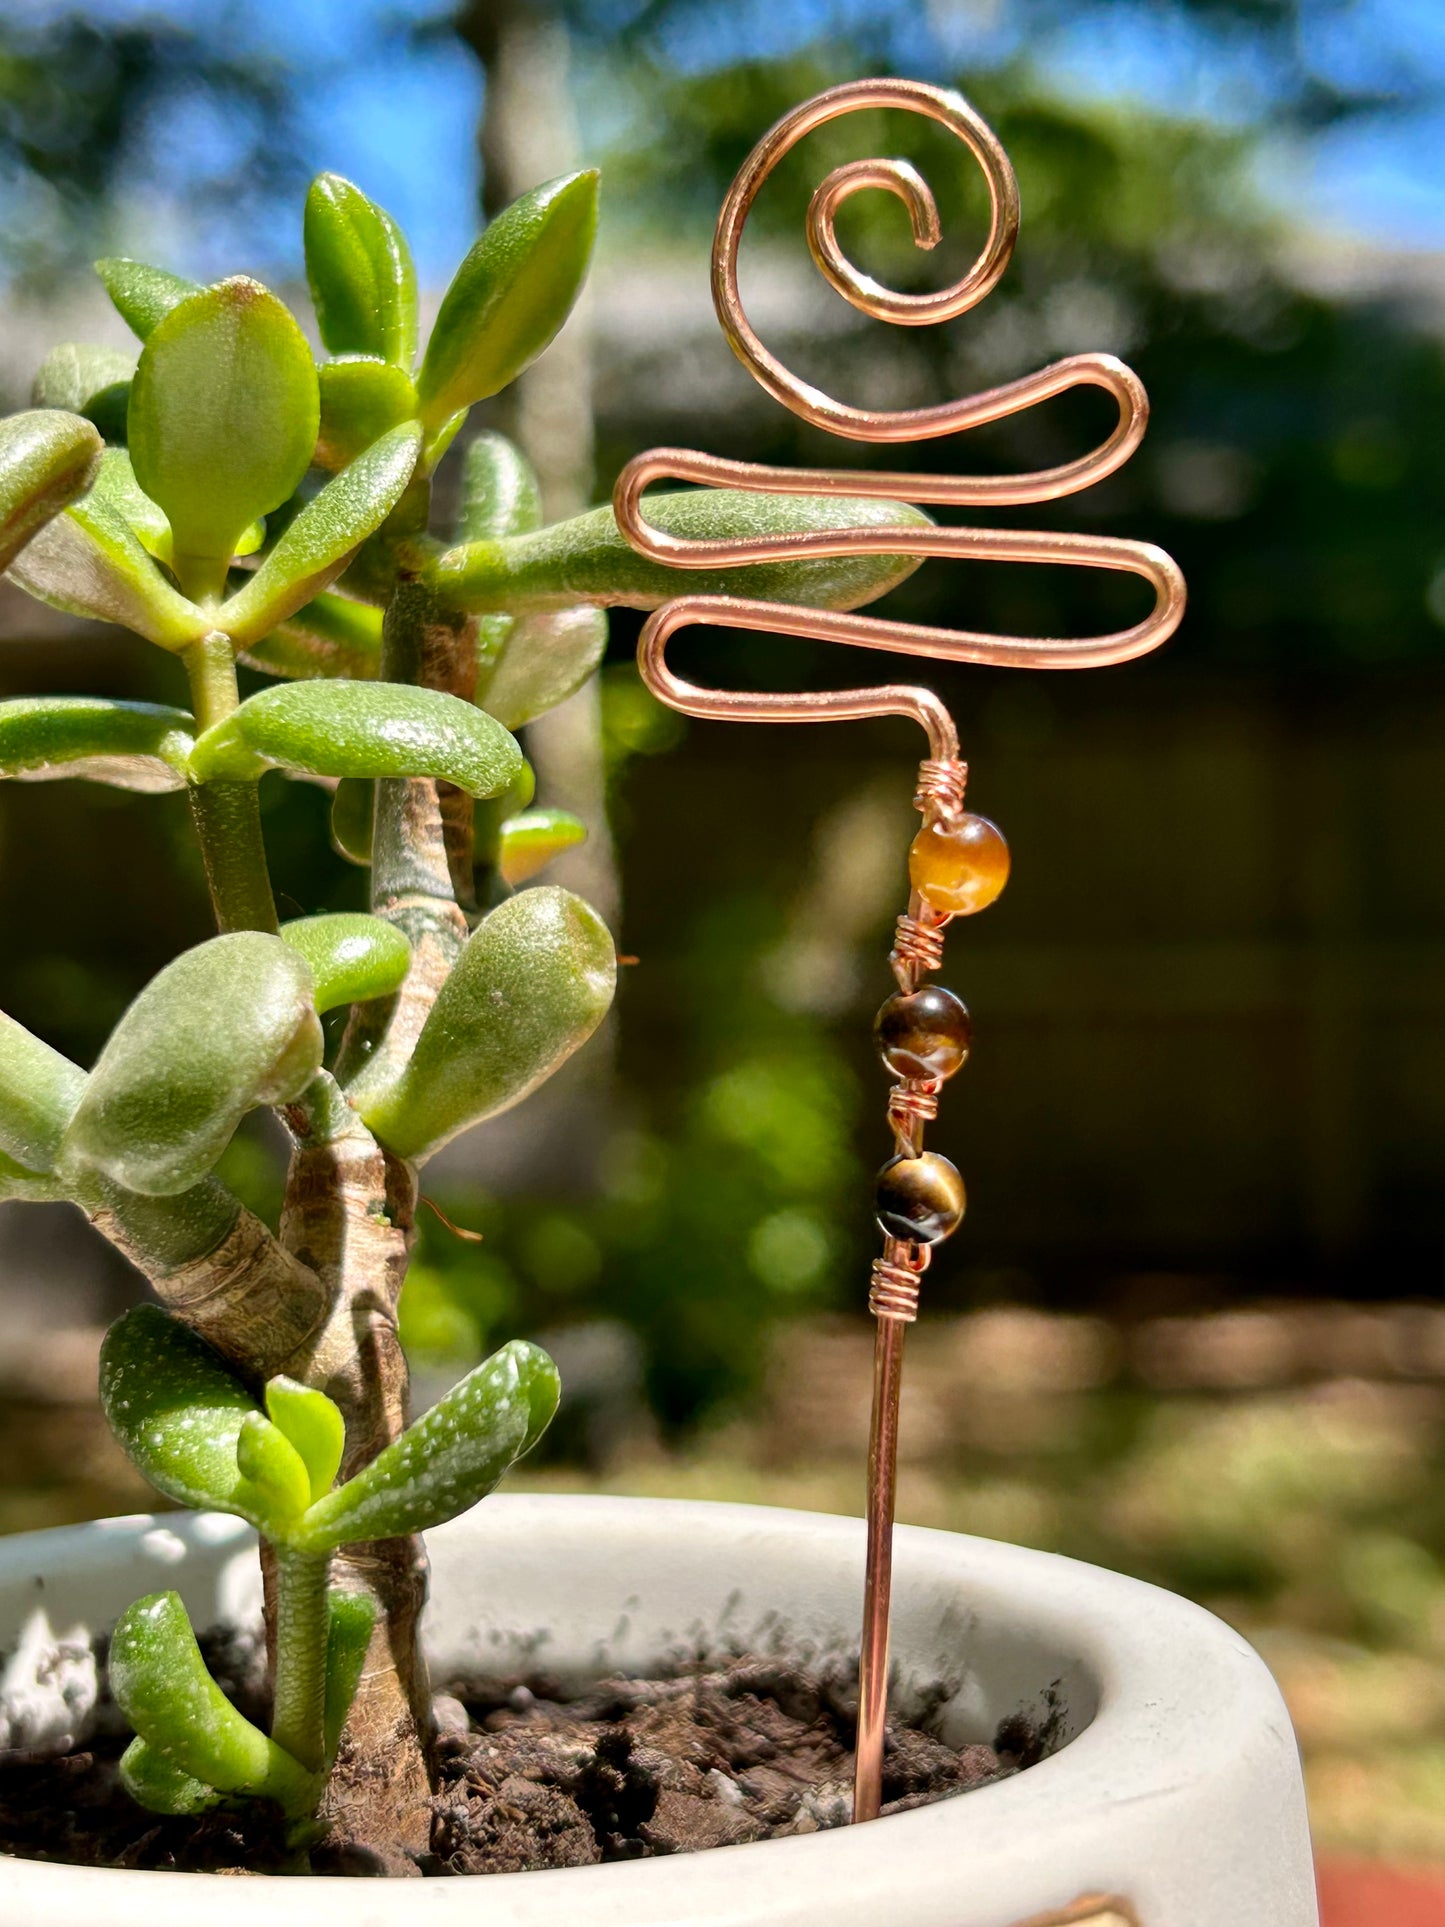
(1185, 1713)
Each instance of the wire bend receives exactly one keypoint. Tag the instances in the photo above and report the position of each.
(1143, 559)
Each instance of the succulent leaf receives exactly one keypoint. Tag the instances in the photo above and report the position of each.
(545, 657)
(320, 540)
(162, 1686)
(134, 746)
(588, 559)
(349, 1622)
(352, 958)
(510, 296)
(359, 267)
(90, 562)
(449, 1459)
(143, 296)
(227, 1026)
(314, 1425)
(159, 1785)
(89, 381)
(273, 1471)
(353, 820)
(177, 1410)
(48, 459)
(500, 491)
(533, 983)
(529, 842)
(359, 729)
(328, 637)
(39, 1090)
(223, 416)
(362, 398)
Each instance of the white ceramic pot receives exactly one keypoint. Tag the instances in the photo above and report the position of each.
(1174, 1799)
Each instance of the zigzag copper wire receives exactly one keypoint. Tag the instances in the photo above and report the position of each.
(904, 425)
(894, 1295)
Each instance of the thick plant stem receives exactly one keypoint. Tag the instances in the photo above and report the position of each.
(298, 1723)
(227, 816)
(348, 1217)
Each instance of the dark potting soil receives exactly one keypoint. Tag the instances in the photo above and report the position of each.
(529, 1776)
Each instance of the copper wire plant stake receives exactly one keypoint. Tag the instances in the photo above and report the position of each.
(958, 863)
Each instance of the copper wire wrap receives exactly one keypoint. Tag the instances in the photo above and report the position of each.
(918, 940)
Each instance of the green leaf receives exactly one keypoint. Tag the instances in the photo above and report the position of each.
(361, 398)
(529, 842)
(350, 1619)
(48, 459)
(359, 729)
(223, 417)
(19, 1182)
(314, 1425)
(500, 491)
(156, 1783)
(353, 819)
(352, 958)
(135, 746)
(510, 296)
(359, 266)
(117, 487)
(143, 295)
(90, 562)
(227, 1026)
(533, 983)
(330, 636)
(161, 1684)
(89, 381)
(589, 560)
(545, 658)
(39, 1090)
(270, 1464)
(449, 1459)
(177, 1411)
(320, 540)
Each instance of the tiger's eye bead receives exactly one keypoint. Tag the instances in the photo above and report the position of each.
(919, 1199)
(959, 867)
(923, 1033)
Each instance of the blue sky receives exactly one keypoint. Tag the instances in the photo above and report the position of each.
(400, 118)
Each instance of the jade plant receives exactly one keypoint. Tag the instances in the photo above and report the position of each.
(230, 499)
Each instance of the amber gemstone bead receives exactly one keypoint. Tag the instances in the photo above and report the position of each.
(923, 1033)
(920, 1199)
(959, 867)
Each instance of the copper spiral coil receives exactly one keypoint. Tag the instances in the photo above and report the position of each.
(918, 941)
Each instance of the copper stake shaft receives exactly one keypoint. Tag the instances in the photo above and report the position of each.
(878, 1583)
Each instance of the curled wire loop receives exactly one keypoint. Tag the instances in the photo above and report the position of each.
(894, 426)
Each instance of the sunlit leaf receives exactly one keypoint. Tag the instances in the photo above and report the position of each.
(360, 729)
(314, 1425)
(359, 266)
(533, 983)
(161, 1786)
(318, 542)
(161, 1684)
(449, 1459)
(39, 1090)
(89, 381)
(351, 957)
(500, 491)
(546, 657)
(528, 843)
(47, 459)
(143, 295)
(361, 398)
(225, 1027)
(134, 746)
(90, 562)
(510, 296)
(589, 560)
(223, 415)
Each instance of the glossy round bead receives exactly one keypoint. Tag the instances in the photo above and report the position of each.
(923, 1033)
(959, 867)
(919, 1199)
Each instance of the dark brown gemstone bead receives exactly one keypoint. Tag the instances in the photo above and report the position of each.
(920, 1200)
(923, 1033)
